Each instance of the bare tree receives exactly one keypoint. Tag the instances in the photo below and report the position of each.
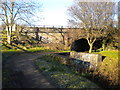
(14, 11)
(94, 17)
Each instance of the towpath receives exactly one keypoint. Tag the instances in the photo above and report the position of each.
(24, 73)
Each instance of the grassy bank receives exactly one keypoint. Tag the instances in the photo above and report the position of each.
(9, 52)
(60, 74)
(108, 70)
(110, 54)
(106, 75)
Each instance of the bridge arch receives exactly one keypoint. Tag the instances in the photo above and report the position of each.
(80, 45)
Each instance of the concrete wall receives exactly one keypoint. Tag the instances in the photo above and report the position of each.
(94, 59)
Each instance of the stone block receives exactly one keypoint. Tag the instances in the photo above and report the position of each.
(93, 59)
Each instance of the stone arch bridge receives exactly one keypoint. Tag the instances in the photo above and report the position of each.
(55, 37)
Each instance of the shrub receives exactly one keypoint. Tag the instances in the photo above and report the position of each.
(108, 69)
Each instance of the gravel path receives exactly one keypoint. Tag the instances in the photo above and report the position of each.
(25, 74)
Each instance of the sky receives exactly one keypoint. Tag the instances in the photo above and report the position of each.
(54, 12)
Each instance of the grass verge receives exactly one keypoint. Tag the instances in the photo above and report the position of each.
(108, 69)
(60, 74)
(10, 52)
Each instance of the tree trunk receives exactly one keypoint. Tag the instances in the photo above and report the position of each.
(90, 50)
(9, 39)
(91, 42)
(8, 34)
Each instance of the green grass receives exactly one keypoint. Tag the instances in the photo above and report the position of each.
(10, 52)
(60, 74)
(43, 49)
(110, 54)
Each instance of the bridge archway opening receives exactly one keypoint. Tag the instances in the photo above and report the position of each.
(80, 45)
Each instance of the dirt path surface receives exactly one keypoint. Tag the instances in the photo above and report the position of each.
(23, 71)
(25, 74)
